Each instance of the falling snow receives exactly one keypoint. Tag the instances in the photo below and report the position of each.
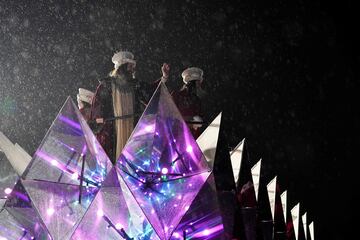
(272, 68)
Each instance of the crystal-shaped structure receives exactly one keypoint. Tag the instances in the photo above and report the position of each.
(66, 172)
(114, 214)
(162, 164)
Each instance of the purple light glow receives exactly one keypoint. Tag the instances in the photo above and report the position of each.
(70, 122)
(53, 161)
(7, 191)
(208, 232)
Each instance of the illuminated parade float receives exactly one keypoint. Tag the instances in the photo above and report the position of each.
(161, 187)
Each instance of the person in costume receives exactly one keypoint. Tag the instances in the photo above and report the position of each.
(118, 102)
(84, 99)
(189, 99)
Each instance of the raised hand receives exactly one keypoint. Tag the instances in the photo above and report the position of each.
(165, 69)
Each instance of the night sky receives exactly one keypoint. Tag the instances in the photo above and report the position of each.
(282, 71)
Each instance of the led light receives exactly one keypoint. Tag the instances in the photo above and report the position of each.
(148, 128)
(75, 176)
(189, 149)
(54, 162)
(7, 191)
(118, 226)
(206, 232)
(50, 211)
(100, 213)
(164, 171)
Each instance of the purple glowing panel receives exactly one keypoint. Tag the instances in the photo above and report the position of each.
(8, 176)
(203, 219)
(161, 140)
(21, 217)
(165, 201)
(114, 210)
(58, 205)
(68, 143)
(10, 228)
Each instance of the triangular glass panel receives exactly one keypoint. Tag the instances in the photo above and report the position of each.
(203, 219)
(162, 143)
(165, 201)
(10, 228)
(68, 144)
(58, 205)
(22, 214)
(114, 214)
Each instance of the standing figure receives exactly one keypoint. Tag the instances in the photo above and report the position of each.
(84, 99)
(189, 99)
(118, 102)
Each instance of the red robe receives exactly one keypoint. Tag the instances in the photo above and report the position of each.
(189, 105)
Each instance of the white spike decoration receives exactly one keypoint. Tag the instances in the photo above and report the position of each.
(208, 140)
(283, 197)
(236, 158)
(304, 221)
(255, 172)
(311, 230)
(17, 156)
(23, 153)
(295, 214)
(271, 190)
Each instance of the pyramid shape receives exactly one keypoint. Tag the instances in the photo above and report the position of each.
(162, 164)
(66, 172)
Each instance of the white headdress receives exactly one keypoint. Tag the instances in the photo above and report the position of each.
(192, 73)
(84, 95)
(122, 57)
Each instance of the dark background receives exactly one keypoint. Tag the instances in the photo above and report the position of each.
(284, 73)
